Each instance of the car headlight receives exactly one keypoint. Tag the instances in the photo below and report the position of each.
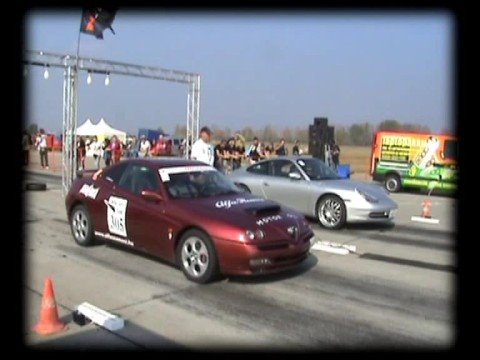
(250, 235)
(368, 197)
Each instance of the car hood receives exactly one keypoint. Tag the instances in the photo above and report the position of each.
(351, 185)
(249, 212)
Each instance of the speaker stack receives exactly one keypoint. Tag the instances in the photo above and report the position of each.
(319, 135)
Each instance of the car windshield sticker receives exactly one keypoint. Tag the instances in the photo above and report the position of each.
(165, 172)
(227, 204)
(89, 191)
(268, 219)
(116, 211)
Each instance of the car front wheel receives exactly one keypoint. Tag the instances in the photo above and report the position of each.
(81, 226)
(197, 257)
(331, 212)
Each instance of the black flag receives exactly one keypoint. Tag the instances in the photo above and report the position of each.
(95, 20)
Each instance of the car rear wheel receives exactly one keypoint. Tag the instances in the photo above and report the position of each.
(331, 212)
(197, 257)
(244, 188)
(392, 183)
(81, 226)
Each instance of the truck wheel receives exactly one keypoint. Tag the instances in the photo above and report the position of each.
(392, 183)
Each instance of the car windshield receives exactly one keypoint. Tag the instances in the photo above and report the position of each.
(317, 169)
(199, 184)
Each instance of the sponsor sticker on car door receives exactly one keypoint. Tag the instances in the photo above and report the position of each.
(116, 214)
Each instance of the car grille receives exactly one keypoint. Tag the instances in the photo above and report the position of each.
(273, 246)
(379, 215)
(305, 237)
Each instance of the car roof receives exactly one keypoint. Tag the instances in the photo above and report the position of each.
(163, 162)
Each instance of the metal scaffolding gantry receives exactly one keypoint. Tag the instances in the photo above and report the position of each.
(73, 65)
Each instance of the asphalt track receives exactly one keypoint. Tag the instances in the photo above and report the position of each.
(397, 291)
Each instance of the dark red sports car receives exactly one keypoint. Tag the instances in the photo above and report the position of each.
(187, 213)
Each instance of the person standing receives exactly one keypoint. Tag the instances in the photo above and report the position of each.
(116, 148)
(107, 152)
(296, 149)
(335, 151)
(96, 147)
(239, 151)
(202, 150)
(281, 150)
(254, 152)
(26, 143)
(219, 150)
(144, 146)
(41, 143)
(81, 153)
(136, 147)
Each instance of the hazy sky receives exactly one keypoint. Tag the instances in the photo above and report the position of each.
(256, 68)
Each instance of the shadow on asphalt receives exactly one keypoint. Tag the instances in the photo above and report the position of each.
(304, 267)
(93, 337)
(355, 226)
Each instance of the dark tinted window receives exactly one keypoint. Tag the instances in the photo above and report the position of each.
(281, 168)
(317, 169)
(260, 168)
(450, 150)
(137, 178)
(114, 173)
(196, 184)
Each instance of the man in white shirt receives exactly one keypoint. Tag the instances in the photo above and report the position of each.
(202, 150)
(144, 146)
(41, 143)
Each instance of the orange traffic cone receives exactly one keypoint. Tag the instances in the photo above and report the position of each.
(426, 209)
(49, 322)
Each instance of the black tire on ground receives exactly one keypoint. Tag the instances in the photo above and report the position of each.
(393, 183)
(35, 186)
(197, 257)
(81, 226)
(244, 187)
(331, 212)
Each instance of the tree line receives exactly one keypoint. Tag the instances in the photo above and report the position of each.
(359, 134)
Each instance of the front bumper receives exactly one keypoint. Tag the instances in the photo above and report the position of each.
(236, 258)
(371, 214)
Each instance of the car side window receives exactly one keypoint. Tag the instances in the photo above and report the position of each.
(114, 173)
(137, 178)
(260, 168)
(144, 179)
(281, 168)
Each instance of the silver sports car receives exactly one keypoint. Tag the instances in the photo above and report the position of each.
(309, 186)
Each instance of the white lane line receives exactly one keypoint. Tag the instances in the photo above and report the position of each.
(425, 220)
(334, 248)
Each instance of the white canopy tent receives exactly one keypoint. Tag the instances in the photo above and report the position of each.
(86, 129)
(101, 130)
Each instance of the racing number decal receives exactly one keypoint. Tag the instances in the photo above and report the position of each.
(116, 213)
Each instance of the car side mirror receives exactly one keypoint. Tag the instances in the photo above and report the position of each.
(295, 176)
(151, 196)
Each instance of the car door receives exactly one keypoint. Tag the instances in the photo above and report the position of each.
(141, 221)
(257, 174)
(278, 186)
(106, 184)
